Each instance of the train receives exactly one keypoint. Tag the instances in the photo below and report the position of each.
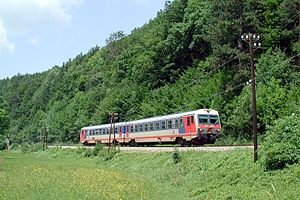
(196, 127)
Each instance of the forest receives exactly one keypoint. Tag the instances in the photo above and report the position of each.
(190, 56)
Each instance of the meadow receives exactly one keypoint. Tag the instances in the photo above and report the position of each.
(69, 174)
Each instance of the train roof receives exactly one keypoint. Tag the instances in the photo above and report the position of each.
(157, 118)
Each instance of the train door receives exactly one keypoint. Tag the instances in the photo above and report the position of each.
(189, 124)
(124, 133)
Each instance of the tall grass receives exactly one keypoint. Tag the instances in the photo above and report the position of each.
(68, 174)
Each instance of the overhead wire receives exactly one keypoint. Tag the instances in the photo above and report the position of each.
(233, 58)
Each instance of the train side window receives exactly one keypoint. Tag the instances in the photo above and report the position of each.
(180, 122)
(176, 123)
(151, 126)
(141, 127)
(163, 125)
(135, 128)
(157, 125)
(173, 123)
(169, 124)
(146, 127)
(192, 119)
(131, 128)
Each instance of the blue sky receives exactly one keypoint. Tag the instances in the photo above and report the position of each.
(36, 35)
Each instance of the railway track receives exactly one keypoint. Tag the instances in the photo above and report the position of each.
(167, 149)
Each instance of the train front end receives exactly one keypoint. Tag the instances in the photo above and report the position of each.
(83, 136)
(208, 126)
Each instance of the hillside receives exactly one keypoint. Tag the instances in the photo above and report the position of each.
(189, 56)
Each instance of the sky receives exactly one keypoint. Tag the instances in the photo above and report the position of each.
(36, 35)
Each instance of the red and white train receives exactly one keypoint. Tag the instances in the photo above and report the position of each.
(197, 127)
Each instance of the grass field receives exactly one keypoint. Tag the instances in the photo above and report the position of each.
(65, 174)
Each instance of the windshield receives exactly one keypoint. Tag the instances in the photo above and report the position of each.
(208, 119)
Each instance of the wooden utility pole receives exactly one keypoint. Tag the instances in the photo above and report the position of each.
(249, 38)
(111, 128)
(114, 131)
(45, 138)
(7, 142)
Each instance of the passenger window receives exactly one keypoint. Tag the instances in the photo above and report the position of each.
(169, 124)
(157, 125)
(131, 129)
(176, 123)
(192, 119)
(146, 127)
(180, 122)
(163, 125)
(136, 128)
(151, 126)
(173, 123)
(141, 127)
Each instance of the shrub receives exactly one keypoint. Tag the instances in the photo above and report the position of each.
(98, 149)
(26, 147)
(108, 154)
(176, 156)
(281, 146)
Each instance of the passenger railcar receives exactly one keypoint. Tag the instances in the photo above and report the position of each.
(197, 127)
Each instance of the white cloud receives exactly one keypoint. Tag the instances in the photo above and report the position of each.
(31, 16)
(5, 45)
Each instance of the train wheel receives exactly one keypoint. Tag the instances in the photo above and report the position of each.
(115, 142)
(183, 142)
(133, 143)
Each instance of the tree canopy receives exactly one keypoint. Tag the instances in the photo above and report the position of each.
(190, 56)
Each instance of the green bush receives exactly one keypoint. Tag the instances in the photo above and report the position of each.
(108, 154)
(281, 146)
(27, 147)
(98, 149)
(176, 156)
